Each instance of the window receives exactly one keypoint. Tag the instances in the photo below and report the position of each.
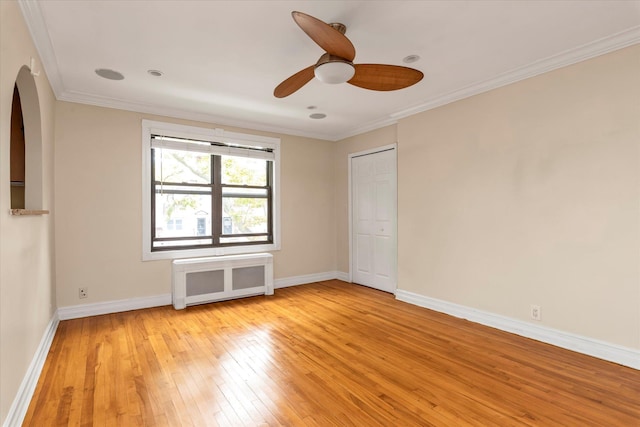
(208, 192)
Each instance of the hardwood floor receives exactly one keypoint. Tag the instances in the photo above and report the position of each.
(326, 354)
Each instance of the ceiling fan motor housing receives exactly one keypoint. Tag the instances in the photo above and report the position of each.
(333, 69)
(341, 28)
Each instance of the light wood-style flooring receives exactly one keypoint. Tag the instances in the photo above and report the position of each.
(325, 354)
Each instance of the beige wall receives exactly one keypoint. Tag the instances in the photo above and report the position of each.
(354, 144)
(27, 291)
(524, 195)
(529, 194)
(308, 222)
(98, 202)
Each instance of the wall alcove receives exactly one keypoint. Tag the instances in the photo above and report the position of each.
(26, 147)
(17, 166)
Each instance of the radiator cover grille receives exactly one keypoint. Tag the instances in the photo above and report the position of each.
(202, 280)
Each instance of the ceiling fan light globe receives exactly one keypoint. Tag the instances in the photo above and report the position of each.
(334, 72)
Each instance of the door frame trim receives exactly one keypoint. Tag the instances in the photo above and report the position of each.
(375, 150)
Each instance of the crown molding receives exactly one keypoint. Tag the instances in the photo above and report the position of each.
(138, 107)
(370, 126)
(563, 59)
(590, 50)
(37, 27)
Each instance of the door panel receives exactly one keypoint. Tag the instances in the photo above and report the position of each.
(373, 178)
(383, 195)
(363, 264)
(383, 258)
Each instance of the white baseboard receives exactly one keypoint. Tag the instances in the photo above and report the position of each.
(589, 346)
(21, 402)
(86, 310)
(307, 278)
(341, 275)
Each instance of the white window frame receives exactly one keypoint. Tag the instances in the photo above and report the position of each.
(150, 127)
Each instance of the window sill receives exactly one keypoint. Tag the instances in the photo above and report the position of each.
(208, 252)
(27, 212)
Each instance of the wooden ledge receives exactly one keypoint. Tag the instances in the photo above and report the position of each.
(24, 212)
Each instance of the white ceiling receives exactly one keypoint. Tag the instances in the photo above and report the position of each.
(222, 59)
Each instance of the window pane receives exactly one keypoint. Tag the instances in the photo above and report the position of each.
(172, 243)
(235, 191)
(183, 215)
(244, 171)
(245, 239)
(164, 188)
(244, 215)
(182, 166)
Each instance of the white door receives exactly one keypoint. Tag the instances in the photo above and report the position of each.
(373, 227)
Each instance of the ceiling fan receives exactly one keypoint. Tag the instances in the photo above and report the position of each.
(336, 65)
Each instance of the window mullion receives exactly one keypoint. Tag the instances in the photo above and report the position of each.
(153, 195)
(270, 200)
(216, 199)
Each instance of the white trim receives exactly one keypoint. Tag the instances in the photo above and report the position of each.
(345, 277)
(140, 107)
(581, 344)
(21, 402)
(590, 50)
(388, 147)
(38, 29)
(150, 127)
(209, 134)
(304, 279)
(368, 127)
(375, 150)
(36, 25)
(227, 150)
(563, 59)
(108, 307)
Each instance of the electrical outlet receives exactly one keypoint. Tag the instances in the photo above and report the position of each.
(535, 312)
(83, 292)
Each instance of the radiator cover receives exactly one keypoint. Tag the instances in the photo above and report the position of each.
(202, 280)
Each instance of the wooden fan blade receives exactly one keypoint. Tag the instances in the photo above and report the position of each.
(331, 40)
(384, 77)
(294, 82)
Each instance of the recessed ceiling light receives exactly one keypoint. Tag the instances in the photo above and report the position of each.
(311, 107)
(109, 74)
(155, 73)
(317, 116)
(411, 58)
